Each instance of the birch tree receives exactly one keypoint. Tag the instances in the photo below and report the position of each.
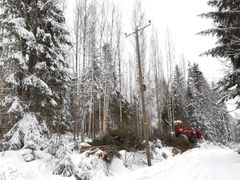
(170, 56)
(157, 66)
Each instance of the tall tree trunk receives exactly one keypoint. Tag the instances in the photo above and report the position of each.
(105, 110)
(93, 118)
(100, 117)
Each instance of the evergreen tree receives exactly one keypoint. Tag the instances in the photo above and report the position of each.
(35, 33)
(195, 98)
(164, 109)
(237, 132)
(226, 20)
(204, 110)
(221, 117)
(179, 91)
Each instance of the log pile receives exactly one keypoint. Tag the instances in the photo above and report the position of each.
(106, 152)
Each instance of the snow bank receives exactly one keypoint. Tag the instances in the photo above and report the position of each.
(196, 164)
(14, 167)
(61, 158)
(208, 161)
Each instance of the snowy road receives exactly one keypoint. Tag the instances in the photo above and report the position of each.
(197, 164)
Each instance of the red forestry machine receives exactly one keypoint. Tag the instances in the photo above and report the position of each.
(191, 135)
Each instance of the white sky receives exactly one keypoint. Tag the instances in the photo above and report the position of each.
(182, 20)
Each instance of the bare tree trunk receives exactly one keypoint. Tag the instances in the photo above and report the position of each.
(173, 110)
(84, 33)
(138, 125)
(100, 117)
(105, 110)
(93, 118)
(102, 26)
(130, 82)
(119, 73)
(76, 31)
(90, 119)
(170, 61)
(157, 101)
(84, 47)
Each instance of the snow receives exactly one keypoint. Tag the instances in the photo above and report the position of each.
(34, 81)
(13, 167)
(12, 80)
(197, 164)
(1, 62)
(232, 107)
(53, 102)
(233, 87)
(41, 65)
(16, 105)
(19, 24)
(18, 56)
(203, 163)
(28, 132)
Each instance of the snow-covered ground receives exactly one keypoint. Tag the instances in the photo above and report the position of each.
(213, 163)
(204, 163)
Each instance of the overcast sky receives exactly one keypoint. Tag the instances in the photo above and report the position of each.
(182, 20)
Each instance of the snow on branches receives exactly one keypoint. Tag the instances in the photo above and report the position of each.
(27, 133)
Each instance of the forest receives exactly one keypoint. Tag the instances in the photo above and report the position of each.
(81, 83)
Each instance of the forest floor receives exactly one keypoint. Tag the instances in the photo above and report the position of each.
(207, 162)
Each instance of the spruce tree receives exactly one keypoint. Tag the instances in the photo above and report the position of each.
(195, 98)
(204, 110)
(221, 117)
(179, 91)
(226, 19)
(34, 32)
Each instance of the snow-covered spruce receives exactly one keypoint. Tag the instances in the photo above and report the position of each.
(27, 133)
(204, 110)
(37, 76)
(63, 164)
(92, 165)
(225, 16)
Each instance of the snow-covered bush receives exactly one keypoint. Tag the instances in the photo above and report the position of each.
(62, 163)
(53, 145)
(131, 159)
(156, 144)
(92, 166)
(27, 133)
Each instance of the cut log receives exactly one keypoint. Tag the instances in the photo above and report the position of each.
(107, 152)
(91, 148)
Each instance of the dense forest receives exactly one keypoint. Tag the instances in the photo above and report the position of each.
(54, 82)
(81, 86)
